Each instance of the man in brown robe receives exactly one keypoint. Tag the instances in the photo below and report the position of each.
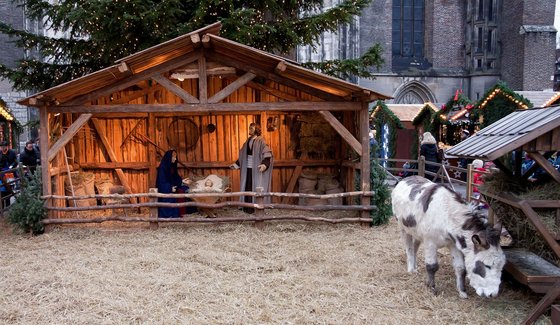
(255, 161)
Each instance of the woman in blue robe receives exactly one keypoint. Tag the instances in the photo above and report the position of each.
(169, 181)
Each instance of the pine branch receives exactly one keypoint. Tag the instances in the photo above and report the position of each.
(344, 69)
(100, 32)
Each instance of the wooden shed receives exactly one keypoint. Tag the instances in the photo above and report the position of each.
(498, 102)
(197, 94)
(397, 119)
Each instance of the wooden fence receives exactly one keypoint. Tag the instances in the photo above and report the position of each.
(200, 200)
(441, 176)
(260, 206)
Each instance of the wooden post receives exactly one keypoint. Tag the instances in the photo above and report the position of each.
(44, 146)
(151, 130)
(259, 212)
(422, 166)
(469, 182)
(154, 210)
(365, 159)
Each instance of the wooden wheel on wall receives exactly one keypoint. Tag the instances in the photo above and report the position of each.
(183, 134)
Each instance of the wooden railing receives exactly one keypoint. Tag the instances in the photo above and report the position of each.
(442, 175)
(260, 206)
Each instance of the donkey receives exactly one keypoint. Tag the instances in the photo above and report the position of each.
(432, 214)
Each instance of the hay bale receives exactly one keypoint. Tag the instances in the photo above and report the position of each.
(334, 200)
(523, 233)
(326, 182)
(307, 183)
(103, 186)
(82, 184)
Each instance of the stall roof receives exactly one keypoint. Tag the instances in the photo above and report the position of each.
(185, 45)
(405, 112)
(508, 133)
(428, 106)
(541, 98)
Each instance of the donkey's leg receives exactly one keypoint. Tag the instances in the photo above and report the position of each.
(411, 247)
(430, 258)
(460, 271)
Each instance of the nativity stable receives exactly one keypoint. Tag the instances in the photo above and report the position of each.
(198, 94)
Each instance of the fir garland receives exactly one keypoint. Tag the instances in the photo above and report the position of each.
(382, 116)
(498, 102)
(445, 127)
(424, 118)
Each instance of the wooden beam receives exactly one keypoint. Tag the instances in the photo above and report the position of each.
(274, 92)
(287, 163)
(206, 41)
(151, 128)
(280, 67)
(202, 81)
(124, 69)
(195, 39)
(134, 79)
(172, 87)
(204, 108)
(68, 135)
(35, 102)
(546, 165)
(44, 146)
(115, 165)
(365, 159)
(229, 89)
(344, 133)
(134, 95)
(101, 134)
(274, 77)
(120, 115)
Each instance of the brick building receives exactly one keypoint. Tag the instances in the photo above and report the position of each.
(432, 48)
(14, 15)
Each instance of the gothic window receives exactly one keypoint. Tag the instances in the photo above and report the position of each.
(411, 98)
(414, 92)
(408, 28)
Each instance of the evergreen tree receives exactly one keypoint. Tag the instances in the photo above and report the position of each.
(98, 32)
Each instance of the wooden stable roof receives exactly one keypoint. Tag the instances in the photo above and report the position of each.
(513, 132)
(178, 52)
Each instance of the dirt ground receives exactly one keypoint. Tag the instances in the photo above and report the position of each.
(284, 273)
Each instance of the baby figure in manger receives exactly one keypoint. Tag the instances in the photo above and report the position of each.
(209, 184)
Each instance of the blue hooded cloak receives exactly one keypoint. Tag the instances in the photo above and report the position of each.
(167, 177)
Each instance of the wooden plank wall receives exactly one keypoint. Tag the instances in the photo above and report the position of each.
(212, 153)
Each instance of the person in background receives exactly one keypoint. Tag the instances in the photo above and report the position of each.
(169, 181)
(8, 160)
(429, 150)
(255, 161)
(478, 165)
(29, 157)
(8, 157)
(373, 145)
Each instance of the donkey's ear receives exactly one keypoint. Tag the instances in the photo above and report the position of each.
(498, 226)
(479, 242)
